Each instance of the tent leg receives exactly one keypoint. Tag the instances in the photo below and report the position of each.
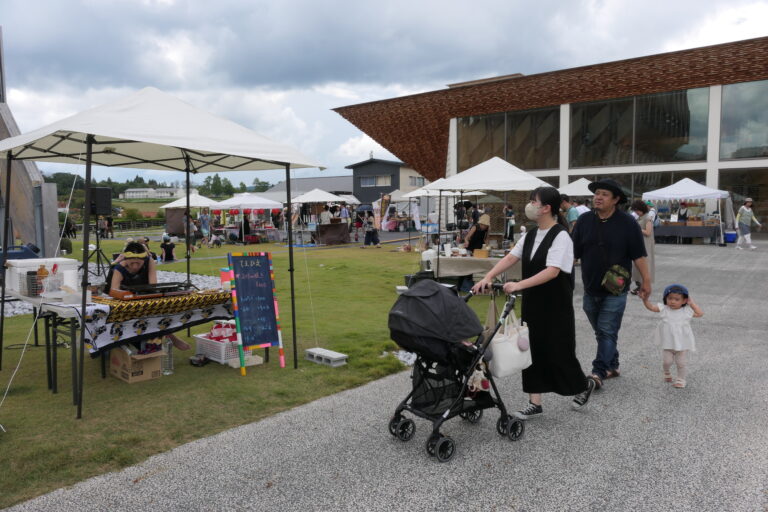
(86, 224)
(6, 246)
(290, 267)
(439, 222)
(189, 250)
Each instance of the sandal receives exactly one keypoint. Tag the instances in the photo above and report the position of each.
(679, 383)
(597, 379)
(611, 374)
(667, 377)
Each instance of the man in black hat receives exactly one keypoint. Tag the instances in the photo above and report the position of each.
(602, 238)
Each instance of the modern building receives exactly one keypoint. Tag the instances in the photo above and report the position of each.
(154, 193)
(375, 177)
(332, 184)
(646, 122)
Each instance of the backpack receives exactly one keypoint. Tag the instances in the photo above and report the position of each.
(656, 220)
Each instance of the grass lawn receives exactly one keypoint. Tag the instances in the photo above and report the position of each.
(46, 447)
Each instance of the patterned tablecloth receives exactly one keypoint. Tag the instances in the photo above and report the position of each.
(110, 322)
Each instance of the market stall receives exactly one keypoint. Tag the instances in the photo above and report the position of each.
(174, 211)
(694, 226)
(147, 130)
(334, 233)
(249, 217)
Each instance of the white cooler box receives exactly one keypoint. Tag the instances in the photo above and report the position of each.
(18, 269)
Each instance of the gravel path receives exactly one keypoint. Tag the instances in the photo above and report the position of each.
(638, 445)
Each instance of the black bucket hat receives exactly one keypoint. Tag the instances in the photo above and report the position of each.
(611, 185)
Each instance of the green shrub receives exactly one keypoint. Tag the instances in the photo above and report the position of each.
(132, 214)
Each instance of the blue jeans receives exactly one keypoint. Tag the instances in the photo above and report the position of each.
(605, 314)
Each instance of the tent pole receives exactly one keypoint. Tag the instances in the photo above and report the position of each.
(86, 225)
(6, 246)
(439, 220)
(189, 250)
(290, 266)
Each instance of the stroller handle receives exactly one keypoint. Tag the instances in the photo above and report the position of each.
(497, 287)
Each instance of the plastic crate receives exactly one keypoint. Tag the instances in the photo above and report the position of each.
(218, 351)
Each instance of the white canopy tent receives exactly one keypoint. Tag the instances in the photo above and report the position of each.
(349, 199)
(248, 200)
(195, 201)
(318, 196)
(148, 130)
(579, 188)
(685, 189)
(494, 174)
(688, 190)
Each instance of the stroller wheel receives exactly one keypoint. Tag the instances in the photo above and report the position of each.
(432, 443)
(502, 426)
(516, 429)
(393, 424)
(405, 430)
(445, 449)
(472, 416)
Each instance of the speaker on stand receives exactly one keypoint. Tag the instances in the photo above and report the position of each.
(101, 205)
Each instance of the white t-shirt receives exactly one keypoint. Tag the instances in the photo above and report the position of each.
(560, 253)
(582, 209)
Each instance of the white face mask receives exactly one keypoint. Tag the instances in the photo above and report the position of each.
(532, 211)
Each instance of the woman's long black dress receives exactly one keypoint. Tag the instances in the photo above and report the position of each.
(548, 310)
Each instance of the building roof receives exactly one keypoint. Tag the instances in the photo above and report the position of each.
(147, 189)
(415, 128)
(374, 160)
(340, 184)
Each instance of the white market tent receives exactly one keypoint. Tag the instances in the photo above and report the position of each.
(248, 200)
(429, 192)
(349, 199)
(318, 196)
(685, 189)
(148, 129)
(494, 174)
(195, 201)
(688, 190)
(579, 188)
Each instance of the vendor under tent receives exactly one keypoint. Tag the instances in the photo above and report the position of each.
(174, 211)
(245, 203)
(326, 234)
(579, 188)
(148, 130)
(689, 190)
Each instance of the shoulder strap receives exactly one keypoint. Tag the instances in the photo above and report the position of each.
(600, 240)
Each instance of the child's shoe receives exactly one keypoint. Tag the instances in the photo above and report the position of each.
(667, 377)
(679, 383)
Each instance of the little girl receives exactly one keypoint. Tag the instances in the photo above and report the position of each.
(674, 330)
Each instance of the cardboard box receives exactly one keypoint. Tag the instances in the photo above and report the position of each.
(135, 368)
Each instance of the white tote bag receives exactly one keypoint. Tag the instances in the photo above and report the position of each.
(511, 348)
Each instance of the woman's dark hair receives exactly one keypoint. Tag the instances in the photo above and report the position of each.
(135, 247)
(639, 205)
(550, 196)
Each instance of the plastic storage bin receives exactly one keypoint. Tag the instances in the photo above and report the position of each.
(218, 351)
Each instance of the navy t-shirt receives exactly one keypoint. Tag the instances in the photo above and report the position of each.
(623, 242)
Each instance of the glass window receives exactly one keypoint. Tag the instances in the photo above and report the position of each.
(533, 138)
(416, 181)
(601, 133)
(367, 181)
(383, 181)
(671, 126)
(744, 127)
(479, 139)
(743, 183)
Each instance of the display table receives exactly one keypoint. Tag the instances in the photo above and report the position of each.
(466, 266)
(333, 234)
(712, 232)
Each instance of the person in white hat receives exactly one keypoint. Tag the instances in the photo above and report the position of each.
(744, 220)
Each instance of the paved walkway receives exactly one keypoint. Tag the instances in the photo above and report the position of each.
(639, 444)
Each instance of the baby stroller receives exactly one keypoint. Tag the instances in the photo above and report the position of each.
(431, 320)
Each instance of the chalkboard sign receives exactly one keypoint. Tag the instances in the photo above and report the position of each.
(254, 300)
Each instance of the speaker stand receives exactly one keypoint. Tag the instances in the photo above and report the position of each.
(102, 262)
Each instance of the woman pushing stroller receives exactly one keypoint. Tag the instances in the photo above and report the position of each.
(546, 253)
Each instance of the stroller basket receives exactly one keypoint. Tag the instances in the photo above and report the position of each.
(435, 387)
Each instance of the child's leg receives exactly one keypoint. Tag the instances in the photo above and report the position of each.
(667, 358)
(681, 361)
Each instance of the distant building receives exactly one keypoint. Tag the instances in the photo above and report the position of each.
(332, 184)
(375, 177)
(155, 193)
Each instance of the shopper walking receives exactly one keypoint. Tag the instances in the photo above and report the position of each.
(640, 209)
(674, 332)
(546, 253)
(744, 220)
(608, 241)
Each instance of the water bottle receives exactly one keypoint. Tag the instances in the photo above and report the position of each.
(167, 363)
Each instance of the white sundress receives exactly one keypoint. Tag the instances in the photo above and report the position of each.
(674, 330)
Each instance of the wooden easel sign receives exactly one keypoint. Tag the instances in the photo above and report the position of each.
(254, 303)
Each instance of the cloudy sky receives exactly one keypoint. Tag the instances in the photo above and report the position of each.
(279, 66)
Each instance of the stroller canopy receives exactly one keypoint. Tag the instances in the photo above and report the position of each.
(429, 309)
